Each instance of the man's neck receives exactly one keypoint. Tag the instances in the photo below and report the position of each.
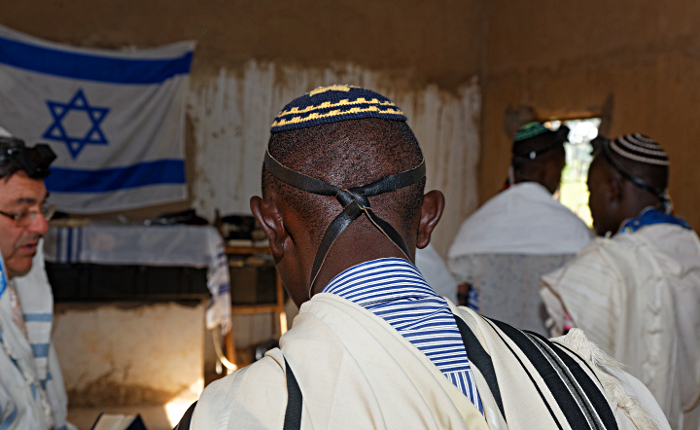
(353, 249)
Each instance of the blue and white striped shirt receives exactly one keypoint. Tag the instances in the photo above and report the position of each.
(395, 290)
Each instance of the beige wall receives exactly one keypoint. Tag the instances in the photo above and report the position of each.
(565, 59)
(438, 40)
(130, 354)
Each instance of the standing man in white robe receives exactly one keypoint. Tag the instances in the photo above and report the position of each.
(373, 346)
(635, 291)
(502, 250)
(32, 395)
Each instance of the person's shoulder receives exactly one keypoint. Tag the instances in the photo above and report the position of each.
(259, 385)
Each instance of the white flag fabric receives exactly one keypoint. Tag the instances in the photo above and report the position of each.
(115, 119)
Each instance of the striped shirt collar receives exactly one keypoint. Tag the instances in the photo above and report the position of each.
(401, 280)
(394, 290)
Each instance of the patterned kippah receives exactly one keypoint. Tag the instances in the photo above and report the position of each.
(531, 129)
(640, 148)
(325, 105)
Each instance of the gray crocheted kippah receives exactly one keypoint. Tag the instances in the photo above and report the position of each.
(640, 148)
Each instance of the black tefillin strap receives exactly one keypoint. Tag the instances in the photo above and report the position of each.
(354, 201)
(664, 201)
(534, 154)
(561, 137)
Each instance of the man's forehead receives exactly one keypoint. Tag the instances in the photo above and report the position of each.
(20, 189)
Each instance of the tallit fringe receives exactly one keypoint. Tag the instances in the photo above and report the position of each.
(614, 391)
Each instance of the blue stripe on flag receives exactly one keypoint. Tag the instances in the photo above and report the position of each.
(40, 350)
(96, 181)
(91, 67)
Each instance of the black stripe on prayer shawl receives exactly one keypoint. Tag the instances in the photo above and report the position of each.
(186, 419)
(572, 402)
(482, 360)
(574, 353)
(292, 416)
(534, 384)
(572, 383)
(590, 389)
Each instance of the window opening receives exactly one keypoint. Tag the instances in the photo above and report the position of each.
(573, 191)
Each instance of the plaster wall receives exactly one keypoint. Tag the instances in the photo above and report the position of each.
(231, 116)
(565, 60)
(140, 354)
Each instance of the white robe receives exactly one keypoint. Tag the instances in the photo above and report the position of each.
(637, 296)
(504, 248)
(32, 394)
(356, 372)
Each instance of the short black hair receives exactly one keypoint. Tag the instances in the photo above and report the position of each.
(10, 165)
(348, 154)
(550, 142)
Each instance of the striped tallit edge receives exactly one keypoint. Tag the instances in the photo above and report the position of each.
(577, 396)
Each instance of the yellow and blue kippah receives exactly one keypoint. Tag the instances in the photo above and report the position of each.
(531, 129)
(325, 105)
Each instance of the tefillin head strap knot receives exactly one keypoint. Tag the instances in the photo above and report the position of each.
(355, 202)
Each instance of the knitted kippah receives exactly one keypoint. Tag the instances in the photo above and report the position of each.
(325, 105)
(640, 148)
(531, 129)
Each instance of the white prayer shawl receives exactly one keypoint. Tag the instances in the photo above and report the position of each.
(524, 219)
(637, 296)
(32, 393)
(356, 372)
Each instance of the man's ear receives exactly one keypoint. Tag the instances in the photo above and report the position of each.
(433, 205)
(270, 220)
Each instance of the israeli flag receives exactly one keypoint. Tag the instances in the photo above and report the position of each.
(115, 119)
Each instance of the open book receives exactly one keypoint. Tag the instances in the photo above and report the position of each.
(118, 422)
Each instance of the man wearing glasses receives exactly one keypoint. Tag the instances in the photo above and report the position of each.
(32, 394)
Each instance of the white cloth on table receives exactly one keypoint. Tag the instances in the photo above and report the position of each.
(637, 295)
(507, 244)
(32, 393)
(176, 245)
(436, 273)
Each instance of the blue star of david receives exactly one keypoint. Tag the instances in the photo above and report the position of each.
(75, 144)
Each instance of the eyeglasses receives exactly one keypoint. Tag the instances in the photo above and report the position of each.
(25, 218)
